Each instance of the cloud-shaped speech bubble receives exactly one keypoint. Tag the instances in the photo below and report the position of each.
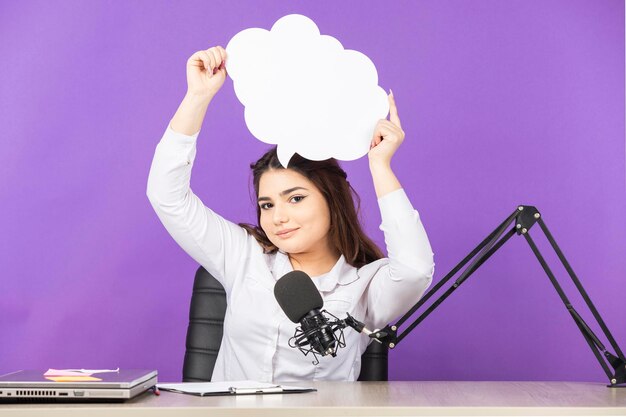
(304, 92)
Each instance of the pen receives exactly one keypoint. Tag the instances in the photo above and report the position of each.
(268, 390)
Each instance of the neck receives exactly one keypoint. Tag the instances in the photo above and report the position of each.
(314, 263)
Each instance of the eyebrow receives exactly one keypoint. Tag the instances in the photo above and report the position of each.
(283, 193)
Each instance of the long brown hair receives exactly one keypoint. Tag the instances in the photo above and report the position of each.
(346, 233)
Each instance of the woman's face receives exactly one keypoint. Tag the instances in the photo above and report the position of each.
(291, 203)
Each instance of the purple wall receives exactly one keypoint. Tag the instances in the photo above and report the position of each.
(503, 103)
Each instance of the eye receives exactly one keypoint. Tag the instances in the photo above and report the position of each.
(297, 198)
(265, 206)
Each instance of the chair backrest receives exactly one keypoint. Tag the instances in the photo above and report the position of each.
(206, 325)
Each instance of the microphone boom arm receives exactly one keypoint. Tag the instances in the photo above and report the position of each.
(525, 217)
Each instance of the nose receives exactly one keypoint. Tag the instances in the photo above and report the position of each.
(279, 215)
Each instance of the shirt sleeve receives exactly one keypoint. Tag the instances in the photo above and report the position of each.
(401, 282)
(207, 237)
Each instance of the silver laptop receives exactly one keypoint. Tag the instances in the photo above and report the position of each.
(32, 385)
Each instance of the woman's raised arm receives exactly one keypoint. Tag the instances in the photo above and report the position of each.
(401, 282)
(211, 240)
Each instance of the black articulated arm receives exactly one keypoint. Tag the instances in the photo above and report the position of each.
(523, 218)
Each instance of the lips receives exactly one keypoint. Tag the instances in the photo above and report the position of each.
(286, 232)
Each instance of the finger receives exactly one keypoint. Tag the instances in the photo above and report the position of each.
(216, 59)
(390, 127)
(385, 126)
(222, 53)
(378, 132)
(217, 55)
(388, 131)
(393, 111)
(208, 60)
(378, 137)
(197, 59)
(222, 65)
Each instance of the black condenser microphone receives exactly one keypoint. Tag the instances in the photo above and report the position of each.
(302, 303)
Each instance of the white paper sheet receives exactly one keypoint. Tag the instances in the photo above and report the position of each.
(213, 387)
(222, 387)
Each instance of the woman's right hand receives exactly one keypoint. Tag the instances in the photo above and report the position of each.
(206, 72)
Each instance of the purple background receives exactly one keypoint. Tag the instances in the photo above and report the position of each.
(503, 103)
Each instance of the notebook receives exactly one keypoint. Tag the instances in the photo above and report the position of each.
(75, 385)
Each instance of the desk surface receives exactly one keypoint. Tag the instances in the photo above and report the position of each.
(395, 398)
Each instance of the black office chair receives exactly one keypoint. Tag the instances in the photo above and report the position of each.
(206, 324)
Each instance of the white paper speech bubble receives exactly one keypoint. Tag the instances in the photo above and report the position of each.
(303, 92)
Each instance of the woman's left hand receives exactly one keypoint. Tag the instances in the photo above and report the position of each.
(388, 135)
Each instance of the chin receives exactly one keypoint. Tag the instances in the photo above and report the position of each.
(289, 247)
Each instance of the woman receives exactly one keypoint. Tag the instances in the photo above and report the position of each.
(306, 221)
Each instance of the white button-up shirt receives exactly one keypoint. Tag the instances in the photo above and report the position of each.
(256, 331)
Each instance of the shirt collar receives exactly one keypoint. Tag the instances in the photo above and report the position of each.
(342, 272)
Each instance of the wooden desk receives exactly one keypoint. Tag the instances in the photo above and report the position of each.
(396, 398)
